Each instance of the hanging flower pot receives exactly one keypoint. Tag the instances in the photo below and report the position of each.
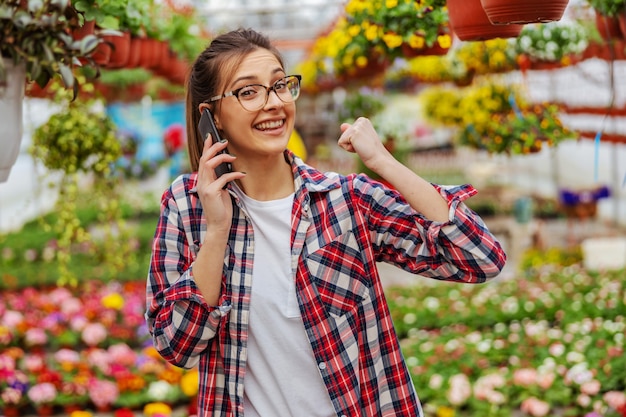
(608, 27)
(505, 12)
(120, 49)
(11, 99)
(86, 29)
(134, 53)
(470, 22)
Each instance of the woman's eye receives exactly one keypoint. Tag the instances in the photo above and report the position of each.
(247, 92)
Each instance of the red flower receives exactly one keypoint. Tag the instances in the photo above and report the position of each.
(123, 412)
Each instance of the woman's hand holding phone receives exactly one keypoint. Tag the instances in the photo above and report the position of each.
(215, 199)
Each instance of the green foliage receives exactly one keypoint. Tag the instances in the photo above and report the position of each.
(552, 41)
(40, 36)
(608, 7)
(80, 142)
(29, 256)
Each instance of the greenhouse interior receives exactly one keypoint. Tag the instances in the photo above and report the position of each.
(525, 101)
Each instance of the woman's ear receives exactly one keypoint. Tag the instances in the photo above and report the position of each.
(203, 106)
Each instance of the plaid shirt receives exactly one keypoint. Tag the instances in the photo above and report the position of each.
(341, 226)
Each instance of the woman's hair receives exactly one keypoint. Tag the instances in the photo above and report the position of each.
(209, 75)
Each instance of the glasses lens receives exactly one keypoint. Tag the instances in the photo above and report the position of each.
(254, 97)
(288, 89)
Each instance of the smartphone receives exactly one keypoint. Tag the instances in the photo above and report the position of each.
(206, 126)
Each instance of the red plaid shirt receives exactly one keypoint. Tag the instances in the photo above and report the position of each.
(341, 226)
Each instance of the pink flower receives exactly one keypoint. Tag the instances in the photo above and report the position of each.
(42, 393)
(34, 363)
(615, 399)
(67, 356)
(35, 337)
(535, 407)
(545, 380)
(460, 389)
(103, 392)
(12, 319)
(524, 377)
(94, 334)
(121, 353)
(590, 387)
(71, 306)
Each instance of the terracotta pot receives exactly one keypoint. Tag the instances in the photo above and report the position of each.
(101, 54)
(165, 65)
(410, 52)
(608, 27)
(86, 29)
(120, 49)
(179, 69)
(45, 410)
(621, 19)
(504, 12)
(470, 22)
(619, 49)
(376, 66)
(134, 53)
(146, 52)
(12, 411)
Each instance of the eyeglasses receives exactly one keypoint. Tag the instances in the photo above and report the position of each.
(253, 97)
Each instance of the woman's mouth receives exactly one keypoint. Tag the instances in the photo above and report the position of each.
(274, 124)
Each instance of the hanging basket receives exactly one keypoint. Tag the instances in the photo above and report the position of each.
(11, 99)
(505, 12)
(470, 22)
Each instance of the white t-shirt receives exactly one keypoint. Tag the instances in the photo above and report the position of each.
(282, 378)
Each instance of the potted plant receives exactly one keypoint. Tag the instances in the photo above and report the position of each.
(36, 45)
(555, 42)
(610, 18)
(80, 142)
(494, 117)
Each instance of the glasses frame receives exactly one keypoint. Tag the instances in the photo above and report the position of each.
(235, 93)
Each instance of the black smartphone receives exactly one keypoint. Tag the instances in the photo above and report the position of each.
(206, 126)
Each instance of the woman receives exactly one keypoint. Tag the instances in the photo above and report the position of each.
(265, 277)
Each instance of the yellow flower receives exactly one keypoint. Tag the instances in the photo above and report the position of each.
(416, 41)
(361, 61)
(390, 4)
(445, 412)
(189, 383)
(152, 409)
(445, 40)
(81, 414)
(354, 30)
(371, 31)
(114, 301)
(392, 40)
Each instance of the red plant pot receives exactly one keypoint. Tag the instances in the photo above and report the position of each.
(470, 22)
(505, 12)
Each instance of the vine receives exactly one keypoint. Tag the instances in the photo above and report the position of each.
(80, 142)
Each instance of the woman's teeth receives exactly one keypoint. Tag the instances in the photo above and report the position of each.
(270, 125)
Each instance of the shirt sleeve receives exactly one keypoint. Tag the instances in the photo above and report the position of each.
(180, 321)
(460, 249)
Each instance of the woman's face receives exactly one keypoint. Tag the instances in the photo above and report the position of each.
(260, 133)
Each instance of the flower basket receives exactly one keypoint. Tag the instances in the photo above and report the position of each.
(505, 12)
(582, 204)
(470, 22)
(120, 49)
(608, 27)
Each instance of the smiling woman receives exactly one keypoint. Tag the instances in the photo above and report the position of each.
(287, 255)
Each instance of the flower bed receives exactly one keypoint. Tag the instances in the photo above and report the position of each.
(550, 344)
(87, 348)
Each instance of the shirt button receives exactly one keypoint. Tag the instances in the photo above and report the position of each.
(322, 365)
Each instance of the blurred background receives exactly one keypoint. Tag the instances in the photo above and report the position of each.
(533, 114)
